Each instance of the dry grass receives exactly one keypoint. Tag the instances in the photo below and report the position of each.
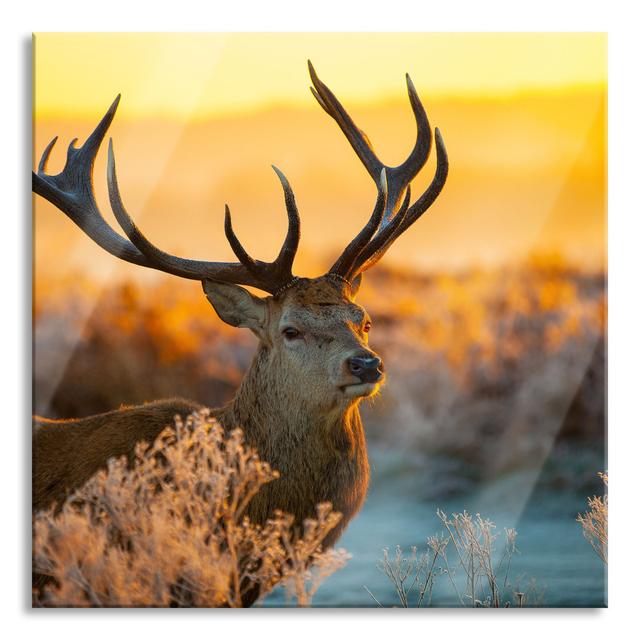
(172, 530)
(475, 576)
(595, 522)
(413, 576)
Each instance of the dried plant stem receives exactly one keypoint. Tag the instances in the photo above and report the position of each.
(595, 522)
(474, 542)
(172, 530)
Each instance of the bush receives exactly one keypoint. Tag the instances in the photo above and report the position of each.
(474, 575)
(171, 530)
(595, 522)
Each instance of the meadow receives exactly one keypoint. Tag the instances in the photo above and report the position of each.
(486, 367)
(494, 375)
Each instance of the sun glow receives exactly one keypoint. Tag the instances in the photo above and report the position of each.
(200, 75)
(203, 116)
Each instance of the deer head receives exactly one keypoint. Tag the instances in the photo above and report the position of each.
(313, 336)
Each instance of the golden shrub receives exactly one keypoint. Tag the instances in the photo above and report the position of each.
(171, 530)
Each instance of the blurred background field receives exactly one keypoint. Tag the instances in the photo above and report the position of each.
(490, 312)
(495, 400)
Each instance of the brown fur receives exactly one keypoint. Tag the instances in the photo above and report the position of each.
(290, 406)
(66, 453)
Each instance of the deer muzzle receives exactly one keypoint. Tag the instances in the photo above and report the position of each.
(368, 368)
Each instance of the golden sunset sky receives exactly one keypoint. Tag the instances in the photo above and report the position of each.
(203, 116)
(203, 75)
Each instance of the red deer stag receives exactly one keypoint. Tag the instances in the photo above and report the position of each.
(298, 402)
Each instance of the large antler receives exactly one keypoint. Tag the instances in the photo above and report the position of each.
(390, 217)
(72, 192)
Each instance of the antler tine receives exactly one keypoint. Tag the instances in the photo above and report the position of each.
(395, 219)
(268, 276)
(346, 261)
(434, 189)
(422, 148)
(280, 268)
(290, 246)
(72, 192)
(398, 177)
(158, 259)
(235, 243)
(374, 253)
(44, 160)
(383, 238)
(332, 106)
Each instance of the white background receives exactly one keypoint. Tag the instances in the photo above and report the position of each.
(20, 19)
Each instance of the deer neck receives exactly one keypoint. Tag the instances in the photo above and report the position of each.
(274, 418)
(321, 456)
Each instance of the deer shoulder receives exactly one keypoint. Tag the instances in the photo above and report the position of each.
(66, 453)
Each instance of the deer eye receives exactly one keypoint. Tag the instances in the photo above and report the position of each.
(367, 326)
(290, 333)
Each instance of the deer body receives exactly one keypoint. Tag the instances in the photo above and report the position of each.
(317, 442)
(298, 403)
(66, 453)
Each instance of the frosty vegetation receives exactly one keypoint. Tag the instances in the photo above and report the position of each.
(171, 530)
(595, 522)
(476, 572)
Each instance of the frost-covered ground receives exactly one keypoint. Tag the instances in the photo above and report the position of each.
(566, 570)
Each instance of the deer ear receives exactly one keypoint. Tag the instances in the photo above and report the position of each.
(235, 305)
(355, 285)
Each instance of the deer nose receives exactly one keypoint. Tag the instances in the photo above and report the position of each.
(367, 367)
